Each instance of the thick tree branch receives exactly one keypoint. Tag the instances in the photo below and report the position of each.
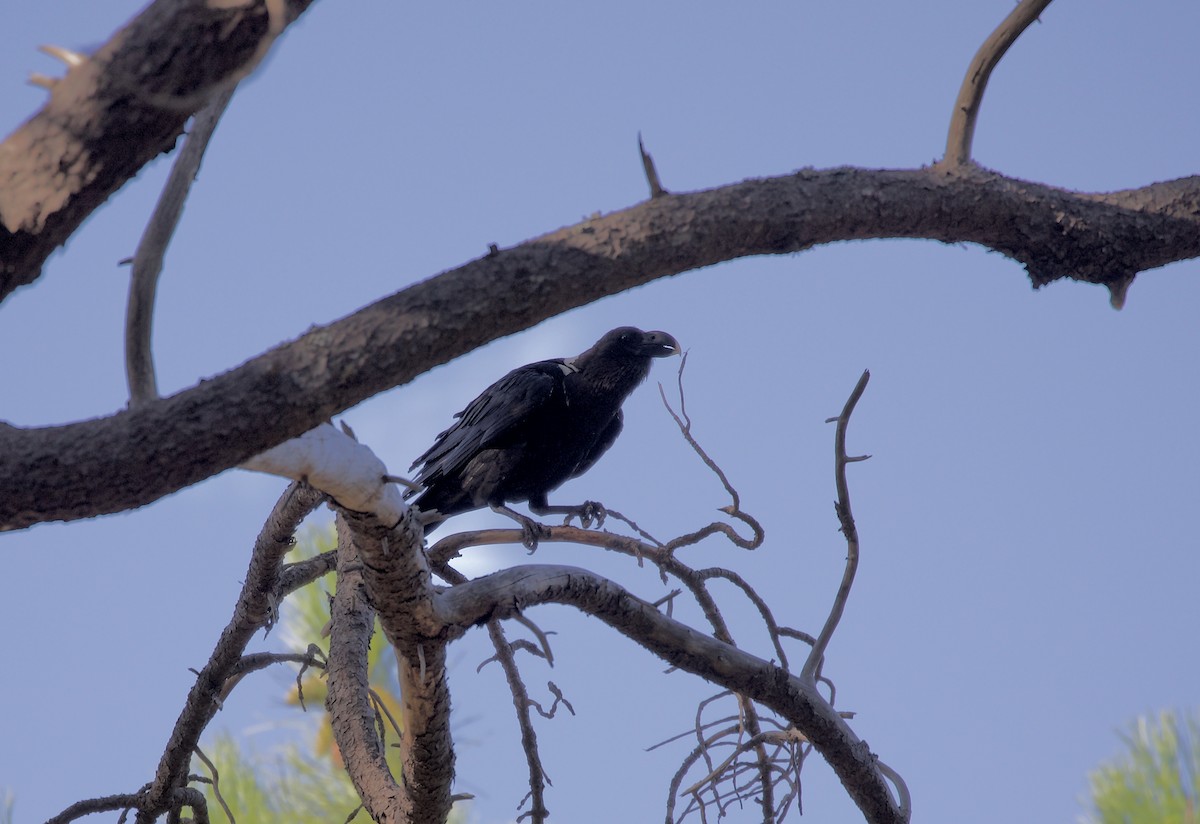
(504, 594)
(134, 457)
(398, 578)
(114, 112)
(352, 623)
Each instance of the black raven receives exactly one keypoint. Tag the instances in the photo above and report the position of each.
(535, 428)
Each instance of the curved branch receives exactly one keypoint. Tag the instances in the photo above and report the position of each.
(104, 804)
(116, 111)
(849, 530)
(255, 607)
(970, 95)
(504, 594)
(134, 457)
(148, 259)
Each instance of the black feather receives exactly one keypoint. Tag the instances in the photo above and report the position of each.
(537, 427)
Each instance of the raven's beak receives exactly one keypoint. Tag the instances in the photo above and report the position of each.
(660, 345)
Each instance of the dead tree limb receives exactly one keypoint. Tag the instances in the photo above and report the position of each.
(506, 593)
(117, 110)
(133, 457)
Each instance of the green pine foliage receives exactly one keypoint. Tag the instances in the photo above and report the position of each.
(1157, 780)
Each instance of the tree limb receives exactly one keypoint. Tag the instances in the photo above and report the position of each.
(846, 518)
(398, 579)
(970, 95)
(136, 456)
(115, 112)
(352, 623)
(148, 259)
(504, 594)
(253, 610)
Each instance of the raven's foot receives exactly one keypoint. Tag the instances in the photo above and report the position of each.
(531, 530)
(587, 513)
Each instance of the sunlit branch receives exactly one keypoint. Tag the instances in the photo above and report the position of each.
(970, 95)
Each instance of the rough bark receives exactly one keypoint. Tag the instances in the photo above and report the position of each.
(505, 594)
(133, 457)
(115, 112)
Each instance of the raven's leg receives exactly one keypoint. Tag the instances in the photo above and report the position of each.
(531, 530)
(586, 512)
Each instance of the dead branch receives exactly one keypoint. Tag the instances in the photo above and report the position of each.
(538, 778)
(252, 611)
(656, 188)
(148, 260)
(348, 700)
(970, 95)
(117, 110)
(503, 594)
(104, 804)
(305, 572)
(398, 578)
(133, 457)
(214, 780)
(846, 519)
(254, 662)
(537, 812)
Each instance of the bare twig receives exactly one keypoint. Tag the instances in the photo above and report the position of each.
(537, 811)
(107, 803)
(148, 260)
(305, 572)
(656, 189)
(261, 660)
(734, 509)
(215, 782)
(542, 637)
(905, 799)
(382, 712)
(970, 95)
(846, 518)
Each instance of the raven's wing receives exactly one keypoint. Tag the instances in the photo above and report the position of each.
(488, 419)
(601, 445)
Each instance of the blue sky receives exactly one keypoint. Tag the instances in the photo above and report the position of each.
(1030, 566)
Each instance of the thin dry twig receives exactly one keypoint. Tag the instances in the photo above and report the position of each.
(734, 509)
(656, 188)
(846, 518)
(970, 95)
(254, 662)
(215, 781)
(148, 260)
(905, 799)
(538, 779)
(103, 804)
